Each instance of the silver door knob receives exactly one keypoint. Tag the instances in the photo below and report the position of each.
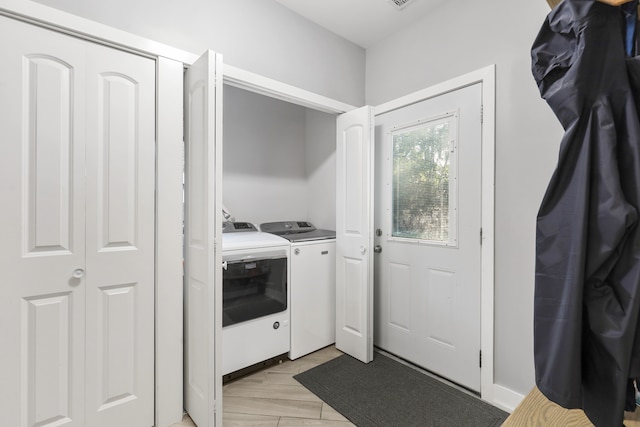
(78, 273)
(297, 251)
(377, 249)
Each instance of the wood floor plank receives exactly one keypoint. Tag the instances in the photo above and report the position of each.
(289, 366)
(271, 407)
(297, 422)
(271, 391)
(328, 413)
(281, 378)
(536, 410)
(248, 420)
(186, 422)
(306, 365)
(256, 377)
(323, 355)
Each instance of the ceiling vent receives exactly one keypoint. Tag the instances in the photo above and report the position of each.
(399, 4)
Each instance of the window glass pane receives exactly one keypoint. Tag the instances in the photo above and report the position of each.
(420, 195)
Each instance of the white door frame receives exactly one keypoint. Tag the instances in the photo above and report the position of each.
(486, 77)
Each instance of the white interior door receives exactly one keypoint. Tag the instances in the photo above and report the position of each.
(203, 247)
(354, 237)
(42, 224)
(78, 333)
(428, 209)
(120, 238)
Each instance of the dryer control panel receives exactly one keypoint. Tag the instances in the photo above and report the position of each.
(287, 227)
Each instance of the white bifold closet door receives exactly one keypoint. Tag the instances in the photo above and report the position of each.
(77, 179)
(203, 228)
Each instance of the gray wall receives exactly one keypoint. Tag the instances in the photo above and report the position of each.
(321, 168)
(256, 35)
(459, 37)
(278, 161)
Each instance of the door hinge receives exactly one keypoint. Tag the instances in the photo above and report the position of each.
(481, 113)
(480, 358)
(481, 237)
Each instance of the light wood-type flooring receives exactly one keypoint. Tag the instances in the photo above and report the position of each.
(272, 398)
(537, 411)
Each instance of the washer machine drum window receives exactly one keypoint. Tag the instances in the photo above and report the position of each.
(253, 288)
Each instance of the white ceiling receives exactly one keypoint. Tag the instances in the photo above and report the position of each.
(363, 22)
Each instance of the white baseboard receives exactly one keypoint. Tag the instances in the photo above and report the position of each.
(505, 398)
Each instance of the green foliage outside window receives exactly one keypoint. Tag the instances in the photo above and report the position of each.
(420, 196)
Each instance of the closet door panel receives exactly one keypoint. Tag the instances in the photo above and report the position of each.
(48, 100)
(120, 238)
(116, 358)
(41, 227)
(46, 322)
(117, 161)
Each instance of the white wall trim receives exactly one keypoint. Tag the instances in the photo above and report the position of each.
(485, 76)
(487, 328)
(265, 86)
(506, 399)
(57, 20)
(219, 219)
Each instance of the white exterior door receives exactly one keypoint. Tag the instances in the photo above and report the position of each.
(428, 210)
(77, 171)
(354, 237)
(203, 240)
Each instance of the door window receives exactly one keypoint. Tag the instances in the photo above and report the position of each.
(423, 187)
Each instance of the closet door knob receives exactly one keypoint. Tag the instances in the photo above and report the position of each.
(78, 273)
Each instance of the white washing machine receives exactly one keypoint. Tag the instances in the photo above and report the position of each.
(256, 298)
(313, 295)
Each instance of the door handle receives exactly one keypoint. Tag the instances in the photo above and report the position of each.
(377, 249)
(78, 273)
(363, 250)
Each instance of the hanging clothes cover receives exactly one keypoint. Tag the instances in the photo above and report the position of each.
(587, 284)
